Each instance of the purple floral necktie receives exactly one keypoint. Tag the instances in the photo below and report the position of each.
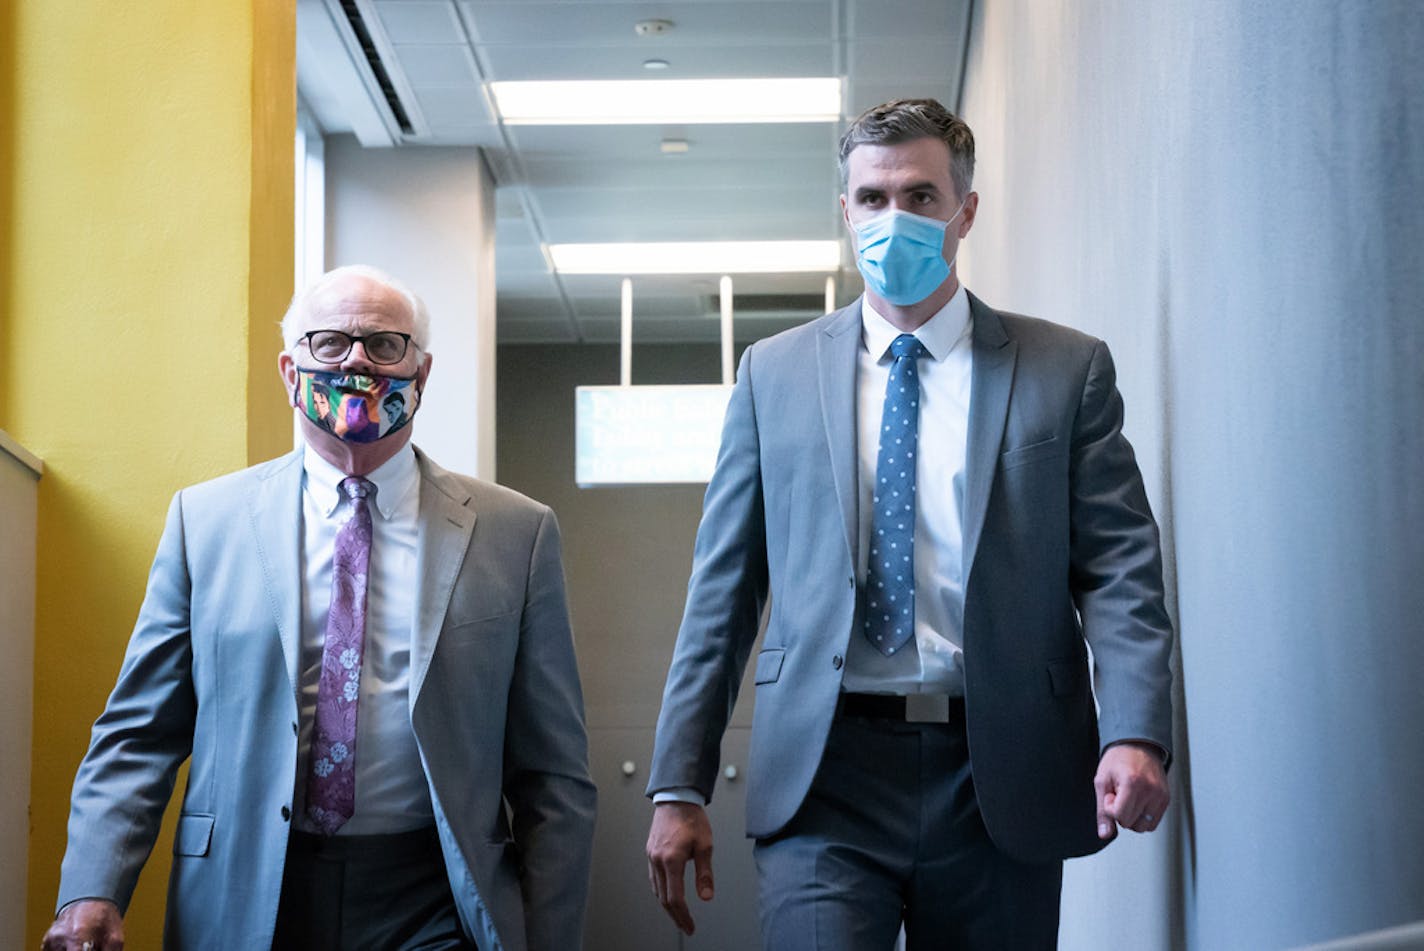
(331, 787)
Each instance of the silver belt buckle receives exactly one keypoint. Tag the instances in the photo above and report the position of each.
(927, 708)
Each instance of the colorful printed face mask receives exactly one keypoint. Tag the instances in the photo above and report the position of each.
(356, 407)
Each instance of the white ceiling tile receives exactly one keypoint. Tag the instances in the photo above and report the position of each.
(452, 108)
(934, 58)
(905, 19)
(814, 141)
(438, 65)
(680, 204)
(420, 21)
(684, 172)
(600, 24)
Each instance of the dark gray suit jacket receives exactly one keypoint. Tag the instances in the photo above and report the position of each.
(1059, 545)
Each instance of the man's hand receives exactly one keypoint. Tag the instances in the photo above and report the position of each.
(90, 924)
(680, 831)
(1132, 789)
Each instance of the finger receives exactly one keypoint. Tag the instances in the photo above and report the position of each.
(674, 901)
(1107, 825)
(702, 865)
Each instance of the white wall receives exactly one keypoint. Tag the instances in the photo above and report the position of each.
(426, 215)
(19, 489)
(1229, 192)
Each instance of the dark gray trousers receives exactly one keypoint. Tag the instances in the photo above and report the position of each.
(891, 833)
(367, 893)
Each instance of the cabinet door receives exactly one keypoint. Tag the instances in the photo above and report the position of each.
(623, 915)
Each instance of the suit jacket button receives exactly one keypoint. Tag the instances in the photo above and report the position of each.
(836, 662)
(286, 814)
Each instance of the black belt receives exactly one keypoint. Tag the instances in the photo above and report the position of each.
(916, 708)
(390, 845)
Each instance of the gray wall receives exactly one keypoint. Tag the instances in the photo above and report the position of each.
(1229, 193)
(627, 551)
(627, 557)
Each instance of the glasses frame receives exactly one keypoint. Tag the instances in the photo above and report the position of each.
(353, 339)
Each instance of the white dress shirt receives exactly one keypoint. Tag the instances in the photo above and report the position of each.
(391, 791)
(937, 663)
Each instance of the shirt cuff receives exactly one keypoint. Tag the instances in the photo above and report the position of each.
(1162, 752)
(679, 794)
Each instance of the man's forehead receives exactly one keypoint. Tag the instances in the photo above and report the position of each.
(359, 302)
(921, 160)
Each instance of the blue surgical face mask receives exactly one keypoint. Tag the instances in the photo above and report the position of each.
(901, 255)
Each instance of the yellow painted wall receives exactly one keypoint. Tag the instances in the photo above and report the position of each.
(147, 260)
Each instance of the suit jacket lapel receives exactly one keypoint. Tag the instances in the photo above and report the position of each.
(837, 347)
(992, 378)
(275, 514)
(446, 522)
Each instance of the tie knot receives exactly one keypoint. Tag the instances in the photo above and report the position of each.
(356, 487)
(907, 345)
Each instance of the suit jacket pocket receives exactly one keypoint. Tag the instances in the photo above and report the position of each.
(1066, 677)
(194, 834)
(1023, 455)
(768, 669)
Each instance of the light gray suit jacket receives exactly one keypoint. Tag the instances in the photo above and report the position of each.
(1059, 543)
(212, 670)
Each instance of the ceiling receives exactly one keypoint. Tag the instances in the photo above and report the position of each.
(585, 183)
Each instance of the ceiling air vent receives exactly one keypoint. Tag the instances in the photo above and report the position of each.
(378, 68)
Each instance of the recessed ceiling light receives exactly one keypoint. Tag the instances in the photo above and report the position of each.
(656, 64)
(697, 257)
(674, 146)
(637, 101)
(653, 27)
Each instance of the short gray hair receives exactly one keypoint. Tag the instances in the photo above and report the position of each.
(295, 317)
(903, 120)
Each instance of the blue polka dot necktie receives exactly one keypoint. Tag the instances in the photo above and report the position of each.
(890, 571)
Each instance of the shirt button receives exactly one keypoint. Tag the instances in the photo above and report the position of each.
(294, 728)
(286, 814)
(836, 662)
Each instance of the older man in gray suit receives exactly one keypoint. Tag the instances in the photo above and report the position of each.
(369, 660)
(938, 501)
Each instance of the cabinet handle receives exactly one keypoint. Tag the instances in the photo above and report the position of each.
(731, 773)
(629, 767)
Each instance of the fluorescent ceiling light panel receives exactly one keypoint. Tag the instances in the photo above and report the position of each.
(697, 257)
(634, 101)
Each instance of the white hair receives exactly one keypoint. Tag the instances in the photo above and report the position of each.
(296, 316)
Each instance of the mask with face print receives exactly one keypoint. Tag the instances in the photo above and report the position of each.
(356, 407)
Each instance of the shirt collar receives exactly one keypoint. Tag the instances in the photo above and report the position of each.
(393, 479)
(940, 334)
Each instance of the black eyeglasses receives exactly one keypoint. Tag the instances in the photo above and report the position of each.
(382, 348)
